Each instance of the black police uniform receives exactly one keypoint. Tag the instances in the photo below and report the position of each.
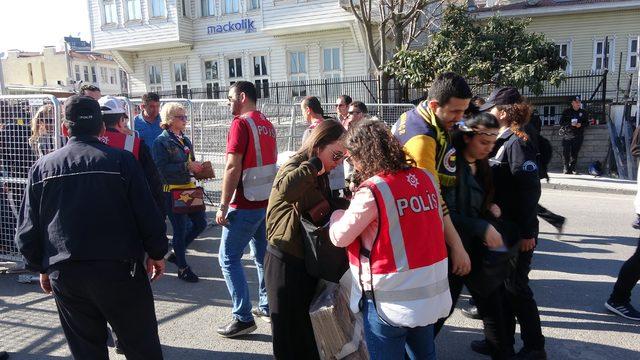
(87, 219)
(517, 191)
(572, 136)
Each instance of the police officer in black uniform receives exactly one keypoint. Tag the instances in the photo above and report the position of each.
(572, 124)
(517, 191)
(85, 223)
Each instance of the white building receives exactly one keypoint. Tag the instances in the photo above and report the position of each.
(175, 45)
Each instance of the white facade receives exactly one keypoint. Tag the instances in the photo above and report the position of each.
(200, 44)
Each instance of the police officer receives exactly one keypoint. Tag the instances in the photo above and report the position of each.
(73, 199)
(517, 191)
(572, 124)
(118, 135)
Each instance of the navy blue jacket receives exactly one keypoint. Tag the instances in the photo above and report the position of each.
(517, 185)
(171, 158)
(88, 202)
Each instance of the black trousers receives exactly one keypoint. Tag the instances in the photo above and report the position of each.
(627, 279)
(493, 310)
(570, 150)
(522, 305)
(290, 291)
(90, 294)
(549, 216)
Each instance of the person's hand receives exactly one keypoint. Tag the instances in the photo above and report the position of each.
(460, 262)
(322, 171)
(195, 166)
(492, 238)
(578, 125)
(221, 215)
(495, 210)
(527, 244)
(45, 284)
(352, 187)
(155, 268)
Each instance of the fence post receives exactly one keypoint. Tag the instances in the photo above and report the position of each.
(326, 91)
(604, 95)
(277, 94)
(292, 131)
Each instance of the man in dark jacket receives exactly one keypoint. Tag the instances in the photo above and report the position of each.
(85, 223)
(572, 124)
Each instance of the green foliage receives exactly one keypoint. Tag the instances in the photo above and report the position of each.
(497, 51)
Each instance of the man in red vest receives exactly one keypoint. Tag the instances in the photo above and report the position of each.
(246, 186)
(118, 135)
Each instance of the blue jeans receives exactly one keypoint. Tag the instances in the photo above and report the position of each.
(392, 343)
(246, 226)
(186, 227)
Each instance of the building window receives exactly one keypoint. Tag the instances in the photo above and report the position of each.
(133, 10)
(211, 79)
(77, 71)
(180, 79)
(549, 115)
(633, 54)
(331, 63)
(109, 11)
(563, 49)
(208, 7)
(184, 7)
(298, 72)
(158, 8)
(124, 82)
(260, 76)
(85, 70)
(599, 60)
(113, 77)
(155, 78)
(94, 75)
(254, 4)
(103, 75)
(235, 68)
(231, 6)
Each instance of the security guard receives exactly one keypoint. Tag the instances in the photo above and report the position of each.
(517, 191)
(85, 223)
(572, 124)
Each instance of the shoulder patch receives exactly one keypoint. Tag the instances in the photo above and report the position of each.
(529, 166)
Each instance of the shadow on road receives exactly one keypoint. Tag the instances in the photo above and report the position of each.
(201, 354)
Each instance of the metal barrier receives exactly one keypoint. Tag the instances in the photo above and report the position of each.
(21, 144)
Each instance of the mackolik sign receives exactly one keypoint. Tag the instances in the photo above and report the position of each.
(232, 26)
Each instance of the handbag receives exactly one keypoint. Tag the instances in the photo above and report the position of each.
(206, 172)
(322, 259)
(186, 201)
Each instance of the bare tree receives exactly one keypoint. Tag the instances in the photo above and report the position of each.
(390, 26)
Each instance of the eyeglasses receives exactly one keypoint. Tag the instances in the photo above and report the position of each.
(180, 117)
(355, 112)
(341, 105)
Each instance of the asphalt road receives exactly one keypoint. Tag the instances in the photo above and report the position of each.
(572, 278)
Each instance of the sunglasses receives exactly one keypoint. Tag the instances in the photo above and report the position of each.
(355, 112)
(181, 117)
(338, 155)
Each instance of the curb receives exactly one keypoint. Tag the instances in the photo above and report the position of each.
(593, 189)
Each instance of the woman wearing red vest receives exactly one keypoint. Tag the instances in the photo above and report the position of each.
(394, 234)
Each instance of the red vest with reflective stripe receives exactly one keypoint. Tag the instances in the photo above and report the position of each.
(259, 161)
(408, 259)
(121, 141)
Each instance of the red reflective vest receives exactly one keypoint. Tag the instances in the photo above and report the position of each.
(259, 161)
(121, 141)
(408, 259)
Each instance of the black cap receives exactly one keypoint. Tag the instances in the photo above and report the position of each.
(80, 110)
(507, 95)
(576, 98)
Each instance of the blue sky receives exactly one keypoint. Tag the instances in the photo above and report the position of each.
(31, 24)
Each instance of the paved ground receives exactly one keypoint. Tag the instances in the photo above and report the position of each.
(589, 183)
(572, 279)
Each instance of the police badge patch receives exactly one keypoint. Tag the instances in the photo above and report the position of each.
(529, 166)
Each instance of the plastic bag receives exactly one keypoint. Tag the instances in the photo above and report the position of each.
(339, 333)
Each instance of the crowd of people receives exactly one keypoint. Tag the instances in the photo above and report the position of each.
(446, 198)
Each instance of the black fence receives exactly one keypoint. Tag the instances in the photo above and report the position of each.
(590, 86)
